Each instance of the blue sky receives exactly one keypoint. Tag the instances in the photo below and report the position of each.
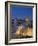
(21, 11)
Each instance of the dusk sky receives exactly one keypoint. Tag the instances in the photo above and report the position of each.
(21, 11)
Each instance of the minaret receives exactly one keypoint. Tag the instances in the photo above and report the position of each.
(27, 21)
